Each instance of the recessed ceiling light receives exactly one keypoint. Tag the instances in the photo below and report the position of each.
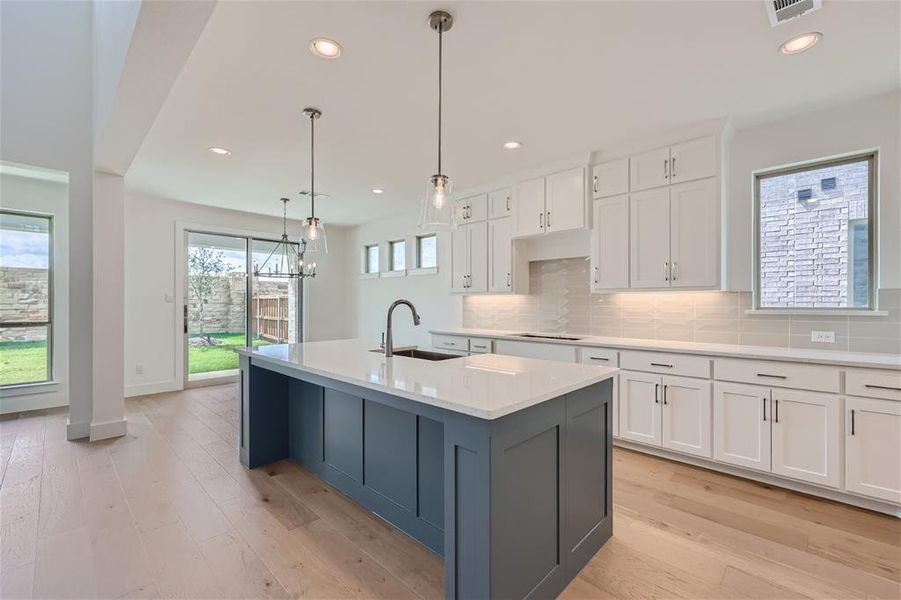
(219, 151)
(512, 145)
(800, 43)
(325, 48)
(378, 191)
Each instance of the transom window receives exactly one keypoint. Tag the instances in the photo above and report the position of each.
(26, 307)
(815, 243)
(398, 252)
(427, 251)
(371, 255)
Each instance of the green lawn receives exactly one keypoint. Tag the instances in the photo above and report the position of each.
(23, 362)
(221, 357)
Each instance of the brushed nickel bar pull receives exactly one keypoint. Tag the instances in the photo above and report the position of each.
(873, 386)
(661, 365)
(673, 167)
(656, 393)
(666, 271)
(598, 358)
(776, 420)
(764, 408)
(664, 394)
(852, 421)
(595, 184)
(548, 218)
(772, 376)
(665, 175)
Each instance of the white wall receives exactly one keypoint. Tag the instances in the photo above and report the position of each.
(370, 298)
(151, 337)
(47, 193)
(46, 109)
(862, 125)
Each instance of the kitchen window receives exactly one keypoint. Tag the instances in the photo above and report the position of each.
(816, 235)
(26, 298)
(371, 258)
(397, 253)
(427, 251)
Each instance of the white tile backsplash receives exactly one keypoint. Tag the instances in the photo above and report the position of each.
(559, 302)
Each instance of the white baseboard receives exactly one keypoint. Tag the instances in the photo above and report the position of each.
(797, 486)
(109, 429)
(156, 387)
(77, 431)
(23, 403)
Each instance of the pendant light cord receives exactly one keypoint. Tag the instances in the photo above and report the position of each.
(440, 49)
(312, 166)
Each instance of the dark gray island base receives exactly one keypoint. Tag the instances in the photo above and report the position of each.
(517, 505)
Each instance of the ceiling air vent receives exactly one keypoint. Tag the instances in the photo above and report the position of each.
(780, 11)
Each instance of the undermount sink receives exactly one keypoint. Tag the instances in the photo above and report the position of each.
(549, 336)
(417, 353)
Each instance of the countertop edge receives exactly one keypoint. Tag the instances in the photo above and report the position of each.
(488, 415)
(764, 352)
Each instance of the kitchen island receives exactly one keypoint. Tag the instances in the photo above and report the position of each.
(500, 464)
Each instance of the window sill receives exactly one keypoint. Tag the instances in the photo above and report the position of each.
(28, 389)
(398, 273)
(423, 271)
(825, 312)
(369, 275)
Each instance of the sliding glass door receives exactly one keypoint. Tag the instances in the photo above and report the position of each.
(227, 307)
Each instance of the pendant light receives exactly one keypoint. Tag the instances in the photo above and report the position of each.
(436, 205)
(312, 232)
(286, 259)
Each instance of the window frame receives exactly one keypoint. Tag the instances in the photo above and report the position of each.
(872, 156)
(51, 272)
(392, 246)
(419, 239)
(366, 248)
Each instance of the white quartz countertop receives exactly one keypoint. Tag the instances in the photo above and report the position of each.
(487, 386)
(825, 357)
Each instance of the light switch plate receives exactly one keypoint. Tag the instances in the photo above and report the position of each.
(825, 337)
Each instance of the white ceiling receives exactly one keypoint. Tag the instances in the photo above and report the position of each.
(563, 78)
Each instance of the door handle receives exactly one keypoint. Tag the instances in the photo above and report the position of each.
(664, 394)
(541, 220)
(595, 184)
(852, 421)
(509, 282)
(673, 167)
(656, 393)
(665, 174)
(548, 218)
(508, 203)
(673, 271)
(595, 274)
(666, 271)
(776, 416)
(184, 313)
(764, 408)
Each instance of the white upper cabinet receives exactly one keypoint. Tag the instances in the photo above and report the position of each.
(472, 209)
(694, 159)
(565, 200)
(469, 258)
(873, 448)
(650, 238)
(610, 178)
(649, 170)
(694, 234)
(500, 203)
(610, 244)
(500, 255)
(528, 208)
(741, 426)
(807, 436)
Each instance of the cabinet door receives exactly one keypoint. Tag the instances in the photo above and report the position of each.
(472, 209)
(741, 426)
(460, 258)
(807, 436)
(528, 207)
(610, 244)
(500, 255)
(649, 221)
(649, 170)
(611, 178)
(478, 257)
(686, 415)
(461, 209)
(566, 200)
(694, 159)
(639, 407)
(695, 234)
(873, 448)
(500, 203)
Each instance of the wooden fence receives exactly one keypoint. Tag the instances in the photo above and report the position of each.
(271, 318)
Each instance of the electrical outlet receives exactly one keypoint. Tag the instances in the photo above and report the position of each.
(139, 369)
(824, 337)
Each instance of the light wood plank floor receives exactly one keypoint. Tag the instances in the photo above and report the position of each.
(168, 511)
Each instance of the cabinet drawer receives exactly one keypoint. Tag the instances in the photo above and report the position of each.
(536, 350)
(603, 357)
(671, 364)
(480, 345)
(778, 374)
(873, 384)
(450, 342)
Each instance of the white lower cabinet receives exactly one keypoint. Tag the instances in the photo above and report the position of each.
(639, 407)
(665, 410)
(741, 429)
(807, 436)
(686, 415)
(873, 448)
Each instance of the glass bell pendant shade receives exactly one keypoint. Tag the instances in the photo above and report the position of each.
(312, 232)
(436, 205)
